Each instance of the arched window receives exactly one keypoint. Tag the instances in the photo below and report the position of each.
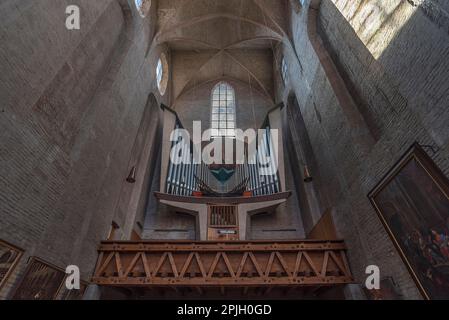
(223, 110)
(284, 71)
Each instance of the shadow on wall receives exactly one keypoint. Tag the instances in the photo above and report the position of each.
(301, 154)
(144, 156)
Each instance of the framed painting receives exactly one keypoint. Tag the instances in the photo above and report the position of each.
(412, 202)
(41, 281)
(74, 294)
(9, 256)
(387, 291)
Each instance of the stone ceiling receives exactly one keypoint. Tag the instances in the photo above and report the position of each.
(231, 39)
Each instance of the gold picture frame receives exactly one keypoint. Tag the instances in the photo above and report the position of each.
(41, 281)
(412, 202)
(9, 257)
(74, 294)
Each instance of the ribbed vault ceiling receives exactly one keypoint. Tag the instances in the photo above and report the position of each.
(221, 39)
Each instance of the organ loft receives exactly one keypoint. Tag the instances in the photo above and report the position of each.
(224, 149)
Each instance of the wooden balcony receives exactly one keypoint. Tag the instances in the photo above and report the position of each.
(177, 264)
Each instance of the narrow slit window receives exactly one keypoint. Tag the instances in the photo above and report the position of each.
(162, 74)
(159, 72)
(284, 71)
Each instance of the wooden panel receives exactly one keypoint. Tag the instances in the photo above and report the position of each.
(223, 234)
(223, 223)
(222, 216)
(325, 228)
(135, 236)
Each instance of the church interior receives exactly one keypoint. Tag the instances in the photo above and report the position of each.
(224, 149)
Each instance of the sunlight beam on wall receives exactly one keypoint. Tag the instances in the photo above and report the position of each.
(376, 22)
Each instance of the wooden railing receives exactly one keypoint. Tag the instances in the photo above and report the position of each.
(232, 264)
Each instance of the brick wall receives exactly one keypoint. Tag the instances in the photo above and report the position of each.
(71, 106)
(401, 92)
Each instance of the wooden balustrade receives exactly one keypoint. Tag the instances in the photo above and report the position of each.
(230, 264)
